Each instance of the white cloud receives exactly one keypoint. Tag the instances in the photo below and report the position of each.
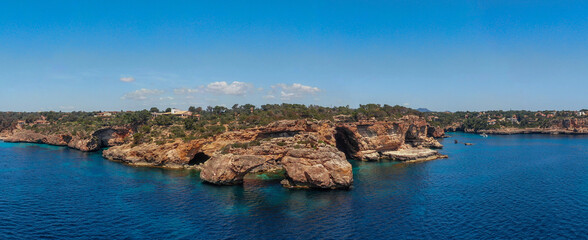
(235, 88)
(142, 94)
(185, 91)
(127, 79)
(296, 90)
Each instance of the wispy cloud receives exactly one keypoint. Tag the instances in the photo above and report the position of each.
(142, 94)
(235, 88)
(293, 91)
(185, 91)
(127, 79)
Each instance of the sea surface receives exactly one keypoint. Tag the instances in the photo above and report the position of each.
(503, 187)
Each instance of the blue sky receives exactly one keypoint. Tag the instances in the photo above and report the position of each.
(443, 55)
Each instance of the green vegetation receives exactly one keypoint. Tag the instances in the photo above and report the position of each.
(503, 119)
(159, 128)
(154, 126)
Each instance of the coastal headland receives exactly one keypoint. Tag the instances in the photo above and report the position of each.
(306, 152)
(307, 146)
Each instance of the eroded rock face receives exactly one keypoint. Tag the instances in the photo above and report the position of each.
(85, 145)
(268, 155)
(435, 132)
(177, 154)
(325, 168)
(109, 137)
(229, 169)
(99, 139)
(367, 140)
(25, 136)
(303, 150)
(310, 154)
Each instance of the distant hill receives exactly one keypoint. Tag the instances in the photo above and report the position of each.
(423, 110)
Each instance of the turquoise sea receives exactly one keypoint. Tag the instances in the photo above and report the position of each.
(503, 187)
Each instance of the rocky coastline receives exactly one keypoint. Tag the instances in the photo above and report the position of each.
(552, 131)
(102, 138)
(571, 126)
(309, 153)
(511, 131)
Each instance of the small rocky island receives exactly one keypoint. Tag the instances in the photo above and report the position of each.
(307, 153)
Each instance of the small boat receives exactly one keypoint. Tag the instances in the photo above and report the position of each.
(484, 135)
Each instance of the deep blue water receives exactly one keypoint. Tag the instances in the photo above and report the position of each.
(504, 187)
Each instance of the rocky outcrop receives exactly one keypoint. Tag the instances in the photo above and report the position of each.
(305, 152)
(324, 168)
(412, 155)
(102, 138)
(176, 154)
(26, 136)
(305, 159)
(368, 140)
(304, 167)
(435, 132)
(229, 169)
(309, 154)
(357, 140)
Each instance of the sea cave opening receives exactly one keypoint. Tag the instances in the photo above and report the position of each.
(346, 142)
(198, 159)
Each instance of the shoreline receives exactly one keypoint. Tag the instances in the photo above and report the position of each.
(411, 159)
(138, 164)
(513, 131)
(312, 152)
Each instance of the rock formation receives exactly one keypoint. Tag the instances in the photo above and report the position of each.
(309, 154)
(367, 141)
(229, 169)
(102, 138)
(177, 154)
(324, 167)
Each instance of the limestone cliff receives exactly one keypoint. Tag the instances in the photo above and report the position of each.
(105, 137)
(368, 141)
(309, 153)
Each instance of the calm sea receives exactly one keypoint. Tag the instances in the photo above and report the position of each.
(503, 187)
